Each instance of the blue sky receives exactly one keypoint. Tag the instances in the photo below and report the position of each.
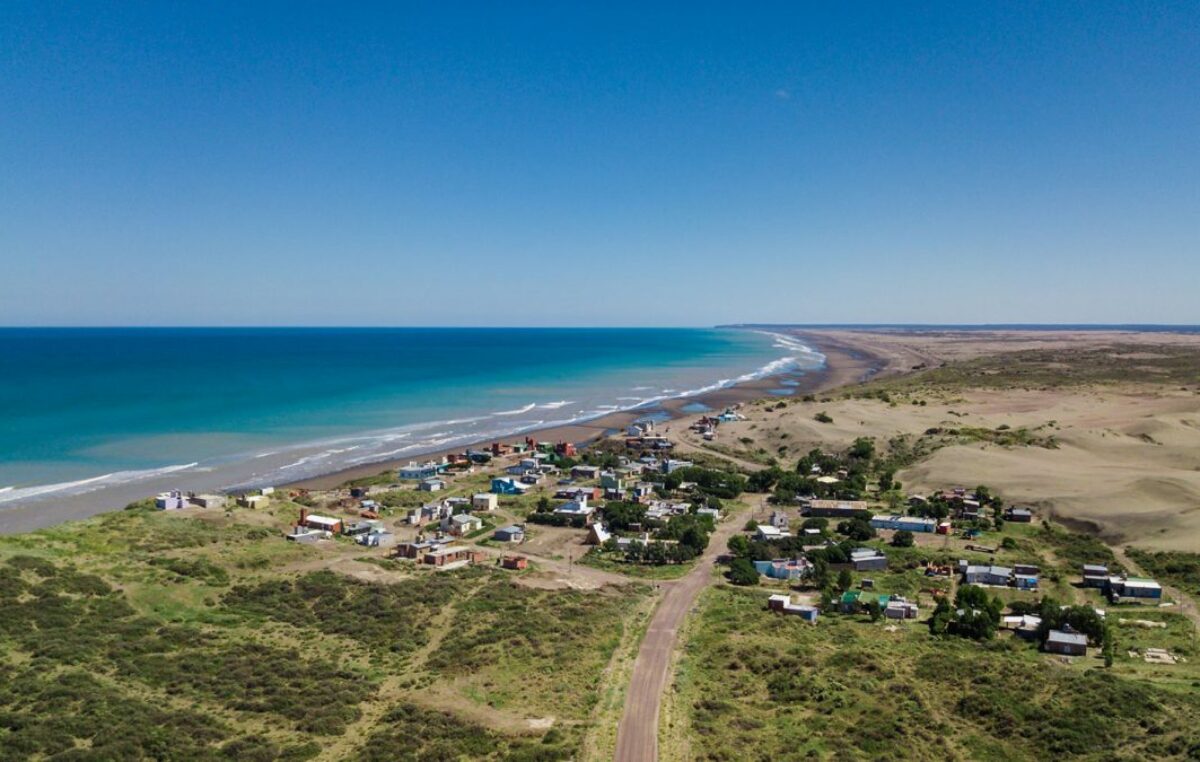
(534, 163)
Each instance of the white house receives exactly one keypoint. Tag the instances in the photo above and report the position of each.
(484, 501)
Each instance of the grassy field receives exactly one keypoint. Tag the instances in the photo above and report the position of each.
(755, 685)
(145, 634)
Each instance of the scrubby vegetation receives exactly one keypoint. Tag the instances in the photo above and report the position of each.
(392, 618)
(850, 689)
(540, 650)
(1173, 567)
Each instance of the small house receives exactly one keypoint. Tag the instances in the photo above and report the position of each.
(900, 608)
(1095, 575)
(783, 568)
(897, 522)
(766, 532)
(783, 604)
(322, 523)
(510, 533)
(432, 484)
(462, 524)
(987, 575)
(515, 563)
(418, 471)
(1018, 515)
(377, 538)
(584, 471)
(1125, 588)
(867, 559)
(484, 501)
(508, 486)
(170, 501)
(576, 509)
(1066, 642)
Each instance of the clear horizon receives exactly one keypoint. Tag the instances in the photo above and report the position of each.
(295, 165)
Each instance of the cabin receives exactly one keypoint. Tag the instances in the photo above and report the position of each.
(576, 509)
(510, 533)
(508, 486)
(304, 535)
(766, 532)
(783, 604)
(1095, 575)
(462, 524)
(867, 559)
(418, 548)
(432, 484)
(321, 523)
(453, 555)
(484, 501)
(610, 481)
(1019, 515)
(377, 538)
(515, 563)
(1066, 642)
(836, 509)
(170, 501)
(987, 575)
(783, 568)
(899, 608)
(584, 471)
(418, 471)
(897, 522)
(854, 601)
(1126, 589)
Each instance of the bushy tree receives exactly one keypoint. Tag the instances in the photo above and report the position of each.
(903, 539)
(742, 572)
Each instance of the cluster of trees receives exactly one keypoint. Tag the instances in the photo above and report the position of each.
(710, 482)
(859, 461)
(680, 539)
(973, 614)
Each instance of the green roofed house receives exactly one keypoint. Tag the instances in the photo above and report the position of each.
(854, 601)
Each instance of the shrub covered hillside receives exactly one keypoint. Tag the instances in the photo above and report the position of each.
(850, 689)
(139, 635)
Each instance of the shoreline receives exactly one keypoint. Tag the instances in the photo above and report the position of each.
(846, 363)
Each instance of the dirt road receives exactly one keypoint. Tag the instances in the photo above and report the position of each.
(637, 735)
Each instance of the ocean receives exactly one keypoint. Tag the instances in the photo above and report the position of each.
(84, 411)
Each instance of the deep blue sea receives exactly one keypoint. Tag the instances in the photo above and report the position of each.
(85, 409)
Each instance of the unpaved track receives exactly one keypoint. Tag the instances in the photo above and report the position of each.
(637, 735)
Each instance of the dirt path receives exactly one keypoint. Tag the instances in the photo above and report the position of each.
(637, 735)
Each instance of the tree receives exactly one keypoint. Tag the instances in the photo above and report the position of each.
(874, 609)
(856, 529)
(764, 480)
(844, 580)
(820, 571)
(862, 449)
(903, 539)
(742, 572)
(739, 545)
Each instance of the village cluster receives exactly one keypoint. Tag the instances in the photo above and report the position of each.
(633, 506)
(636, 502)
(812, 552)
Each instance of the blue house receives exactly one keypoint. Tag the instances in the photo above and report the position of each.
(783, 568)
(897, 522)
(507, 486)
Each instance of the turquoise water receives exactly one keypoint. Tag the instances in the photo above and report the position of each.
(82, 409)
